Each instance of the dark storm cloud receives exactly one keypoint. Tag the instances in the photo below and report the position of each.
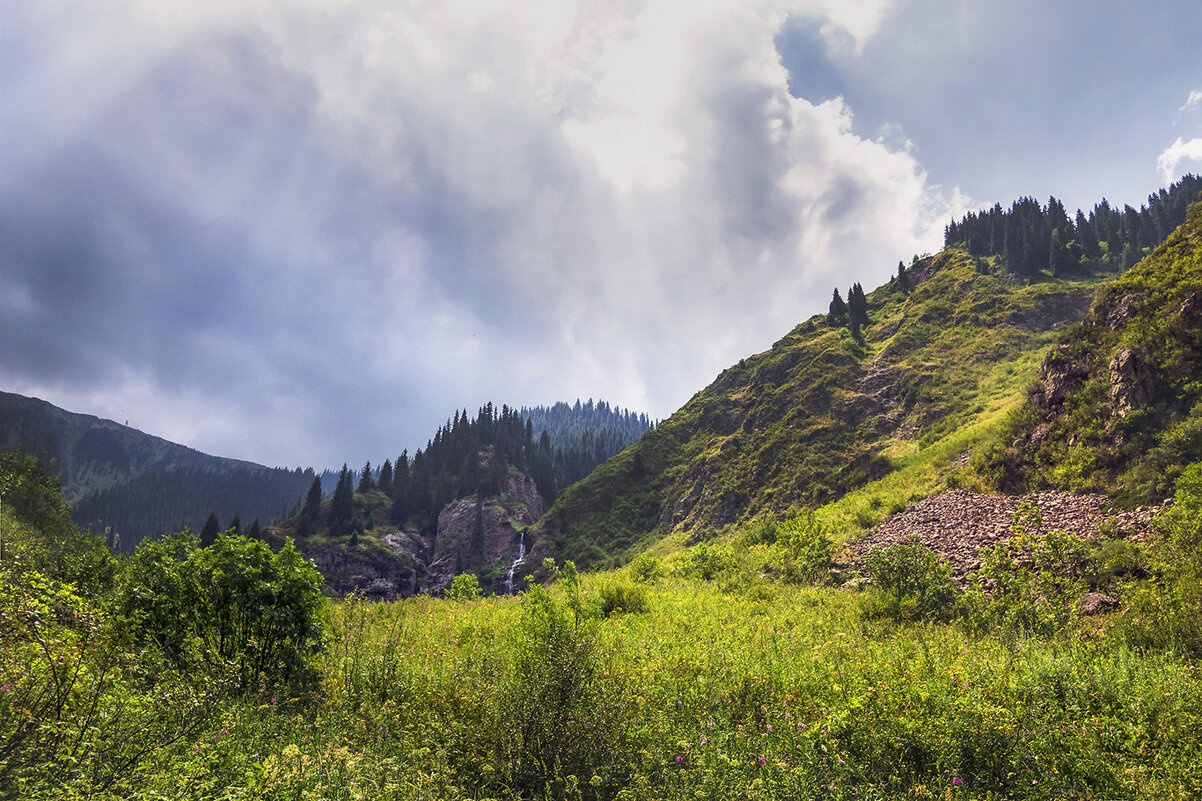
(306, 233)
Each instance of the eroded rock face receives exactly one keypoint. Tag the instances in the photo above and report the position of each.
(482, 534)
(1131, 381)
(1059, 374)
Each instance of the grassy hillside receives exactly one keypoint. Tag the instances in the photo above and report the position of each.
(1118, 403)
(822, 413)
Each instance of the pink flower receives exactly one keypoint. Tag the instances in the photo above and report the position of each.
(762, 760)
(679, 760)
(956, 780)
(4, 688)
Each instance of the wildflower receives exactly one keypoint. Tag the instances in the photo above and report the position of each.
(956, 781)
(679, 760)
(704, 740)
(769, 727)
(762, 760)
(3, 688)
(841, 762)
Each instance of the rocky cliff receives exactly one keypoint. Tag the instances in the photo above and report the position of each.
(1117, 405)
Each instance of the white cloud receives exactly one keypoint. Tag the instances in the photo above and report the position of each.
(401, 208)
(1171, 159)
(1193, 101)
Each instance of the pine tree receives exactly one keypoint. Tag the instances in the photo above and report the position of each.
(903, 277)
(342, 505)
(385, 480)
(837, 311)
(857, 304)
(312, 506)
(208, 534)
(366, 484)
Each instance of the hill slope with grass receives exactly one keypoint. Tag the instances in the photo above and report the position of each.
(945, 355)
(1117, 406)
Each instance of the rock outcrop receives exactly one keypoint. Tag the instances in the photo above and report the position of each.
(480, 535)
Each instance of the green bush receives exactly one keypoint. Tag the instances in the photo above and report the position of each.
(646, 568)
(803, 548)
(910, 583)
(622, 597)
(464, 587)
(1166, 612)
(1037, 598)
(706, 562)
(561, 728)
(79, 714)
(233, 607)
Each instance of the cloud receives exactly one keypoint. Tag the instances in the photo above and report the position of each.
(306, 233)
(1170, 160)
(1193, 101)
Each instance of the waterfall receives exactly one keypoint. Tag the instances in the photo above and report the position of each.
(514, 566)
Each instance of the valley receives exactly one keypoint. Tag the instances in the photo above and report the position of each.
(942, 542)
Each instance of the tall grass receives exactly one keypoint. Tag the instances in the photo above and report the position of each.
(709, 695)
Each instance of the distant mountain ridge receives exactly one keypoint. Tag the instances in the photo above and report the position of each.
(137, 484)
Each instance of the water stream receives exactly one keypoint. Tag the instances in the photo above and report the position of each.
(513, 567)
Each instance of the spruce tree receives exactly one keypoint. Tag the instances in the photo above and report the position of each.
(903, 278)
(342, 505)
(857, 304)
(385, 481)
(366, 484)
(312, 506)
(837, 311)
(208, 534)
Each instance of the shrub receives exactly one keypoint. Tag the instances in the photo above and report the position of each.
(706, 562)
(1167, 611)
(910, 583)
(803, 548)
(1036, 599)
(231, 607)
(646, 568)
(561, 728)
(464, 587)
(621, 597)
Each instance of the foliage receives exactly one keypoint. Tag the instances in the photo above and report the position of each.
(803, 547)
(563, 731)
(706, 561)
(646, 568)
(37, 532)
(1166, 612)
(910, 583)
(233, 608)
(464, 587)
(620, 597)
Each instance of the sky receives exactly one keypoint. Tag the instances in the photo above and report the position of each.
(306, 232)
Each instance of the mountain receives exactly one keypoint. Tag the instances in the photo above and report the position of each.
(930, 375)
(462, 504)
(1117, 406)
(134, 484)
